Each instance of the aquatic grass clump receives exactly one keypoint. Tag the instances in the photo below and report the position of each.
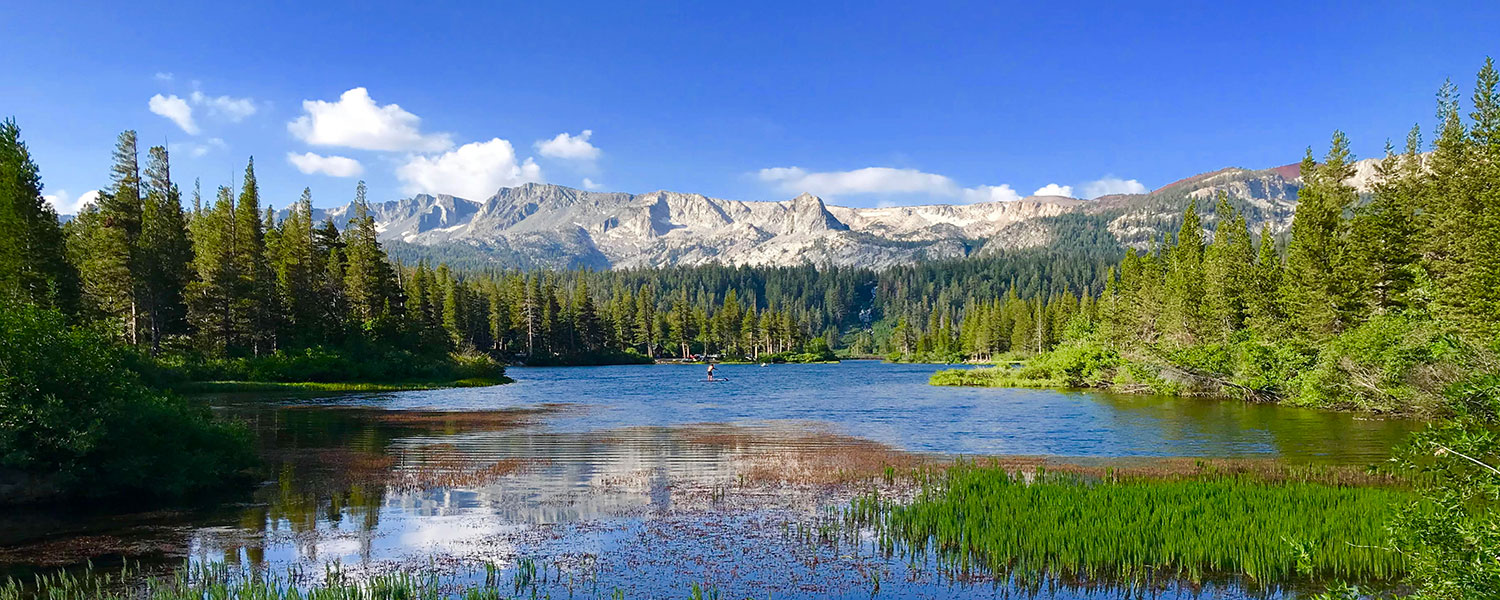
(219, 581)
(1037, 525)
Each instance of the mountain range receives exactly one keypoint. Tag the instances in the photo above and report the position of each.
(541, 225)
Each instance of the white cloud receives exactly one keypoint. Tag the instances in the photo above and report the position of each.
(589, 184)
(473, 171)
(569, 147)
(234, 109)
(163, 76)
(356, 121)
(1110, 184)
(64, 205)
(869, 180)
(880, 181)
(332, 166)
(991, 193)
(176, 109)
(196, 149)
(1053, 189)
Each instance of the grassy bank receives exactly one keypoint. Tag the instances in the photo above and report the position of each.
(323, 370)
(1038, 525)
(212, 387)
(1393, 365)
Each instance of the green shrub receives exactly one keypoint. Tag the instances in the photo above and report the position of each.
(1452, 550)
(1269, 367)
(74, 413)
(1389, 363)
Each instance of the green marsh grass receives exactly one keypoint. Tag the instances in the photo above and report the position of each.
(1037, 525)
(218, 581)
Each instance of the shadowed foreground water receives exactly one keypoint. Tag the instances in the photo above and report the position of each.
(637, 476)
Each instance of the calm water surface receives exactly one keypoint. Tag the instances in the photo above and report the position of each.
(612, 472)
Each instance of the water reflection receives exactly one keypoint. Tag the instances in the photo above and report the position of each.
(617, 467)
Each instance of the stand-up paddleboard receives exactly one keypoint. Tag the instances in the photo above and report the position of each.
(715, 380)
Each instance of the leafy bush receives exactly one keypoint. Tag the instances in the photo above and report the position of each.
(1389, 363)
(75, 417)
(1083, 363)
(1268, 367)
(1452, 550)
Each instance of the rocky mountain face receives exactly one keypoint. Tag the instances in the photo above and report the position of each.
(539, 225)
(555, 226)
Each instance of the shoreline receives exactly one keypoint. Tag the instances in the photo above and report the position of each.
(981, 378)
(215, 387)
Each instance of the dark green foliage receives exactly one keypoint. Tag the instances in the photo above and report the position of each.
(102, 245)
(32, 261)
(72, 414)
(325, 365)
(164, 255)
(1382, 303)
(1452, 550)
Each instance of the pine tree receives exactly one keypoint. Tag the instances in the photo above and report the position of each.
(254, 295)
(1185, 285)
(102, 244)
(1384, 232)
(680, 325)
(298, 269)
(1481, 252)
(1227, 265)
(1263, 294)
(212, 293)
(164, 253)
(33, 256)
(454, 319)
(368, 278)
(645, 325)
(586, 320)
(1320, 291)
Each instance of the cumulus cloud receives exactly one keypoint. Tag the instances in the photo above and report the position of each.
(333, 166)
(569, 147)
(176, 109)
(991, 193)
(880, 181)
(356, 121)
(472, 171)
(164, 76)
(67, 205)
(589, 184)
(234, 109)
(1110, 184)
(1053, 189)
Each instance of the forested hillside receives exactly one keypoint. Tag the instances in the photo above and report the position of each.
(1388, 301)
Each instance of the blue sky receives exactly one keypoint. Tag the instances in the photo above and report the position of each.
(864, 103)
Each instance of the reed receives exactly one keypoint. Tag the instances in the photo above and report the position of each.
(1036, 525)
(217, 581)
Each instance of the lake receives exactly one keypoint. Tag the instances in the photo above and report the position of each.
(639, 476)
